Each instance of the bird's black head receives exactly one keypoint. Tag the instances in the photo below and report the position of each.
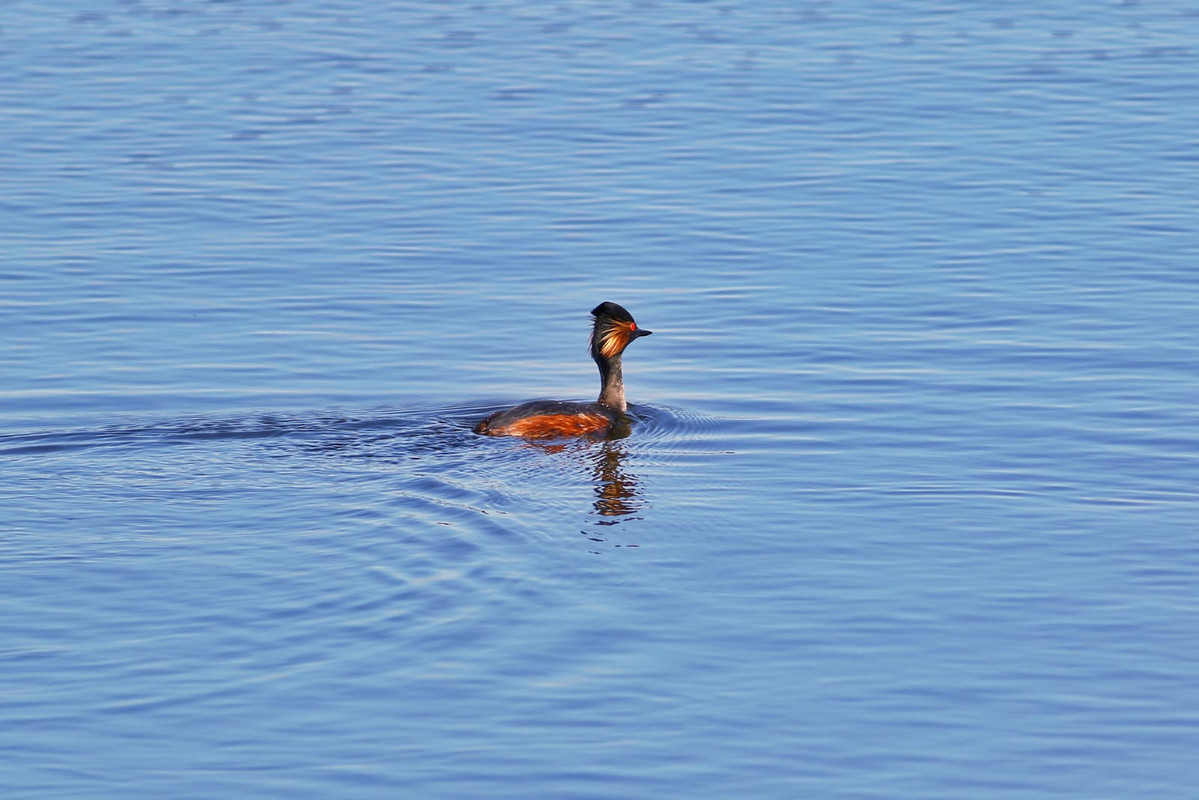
(613, 331)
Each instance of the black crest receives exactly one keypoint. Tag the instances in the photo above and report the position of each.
(612, 311)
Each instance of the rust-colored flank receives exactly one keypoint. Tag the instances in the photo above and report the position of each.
(554, 426)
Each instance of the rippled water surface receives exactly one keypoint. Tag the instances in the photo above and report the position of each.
(909, 506)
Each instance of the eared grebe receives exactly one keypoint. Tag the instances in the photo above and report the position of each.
(613, 331)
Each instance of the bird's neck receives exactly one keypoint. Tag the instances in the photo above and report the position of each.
(611, 384)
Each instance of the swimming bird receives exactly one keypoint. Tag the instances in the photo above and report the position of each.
(612, 332)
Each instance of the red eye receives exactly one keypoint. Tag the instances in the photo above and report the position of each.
(632, 326)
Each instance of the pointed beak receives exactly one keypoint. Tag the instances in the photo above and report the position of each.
(641, 332)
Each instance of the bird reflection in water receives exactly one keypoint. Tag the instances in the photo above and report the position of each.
(617, 493)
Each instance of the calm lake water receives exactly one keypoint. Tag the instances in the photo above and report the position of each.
(911, 504)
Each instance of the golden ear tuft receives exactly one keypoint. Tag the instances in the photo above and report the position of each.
(614, 338)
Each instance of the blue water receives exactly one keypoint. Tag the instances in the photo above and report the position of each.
(909, 508)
